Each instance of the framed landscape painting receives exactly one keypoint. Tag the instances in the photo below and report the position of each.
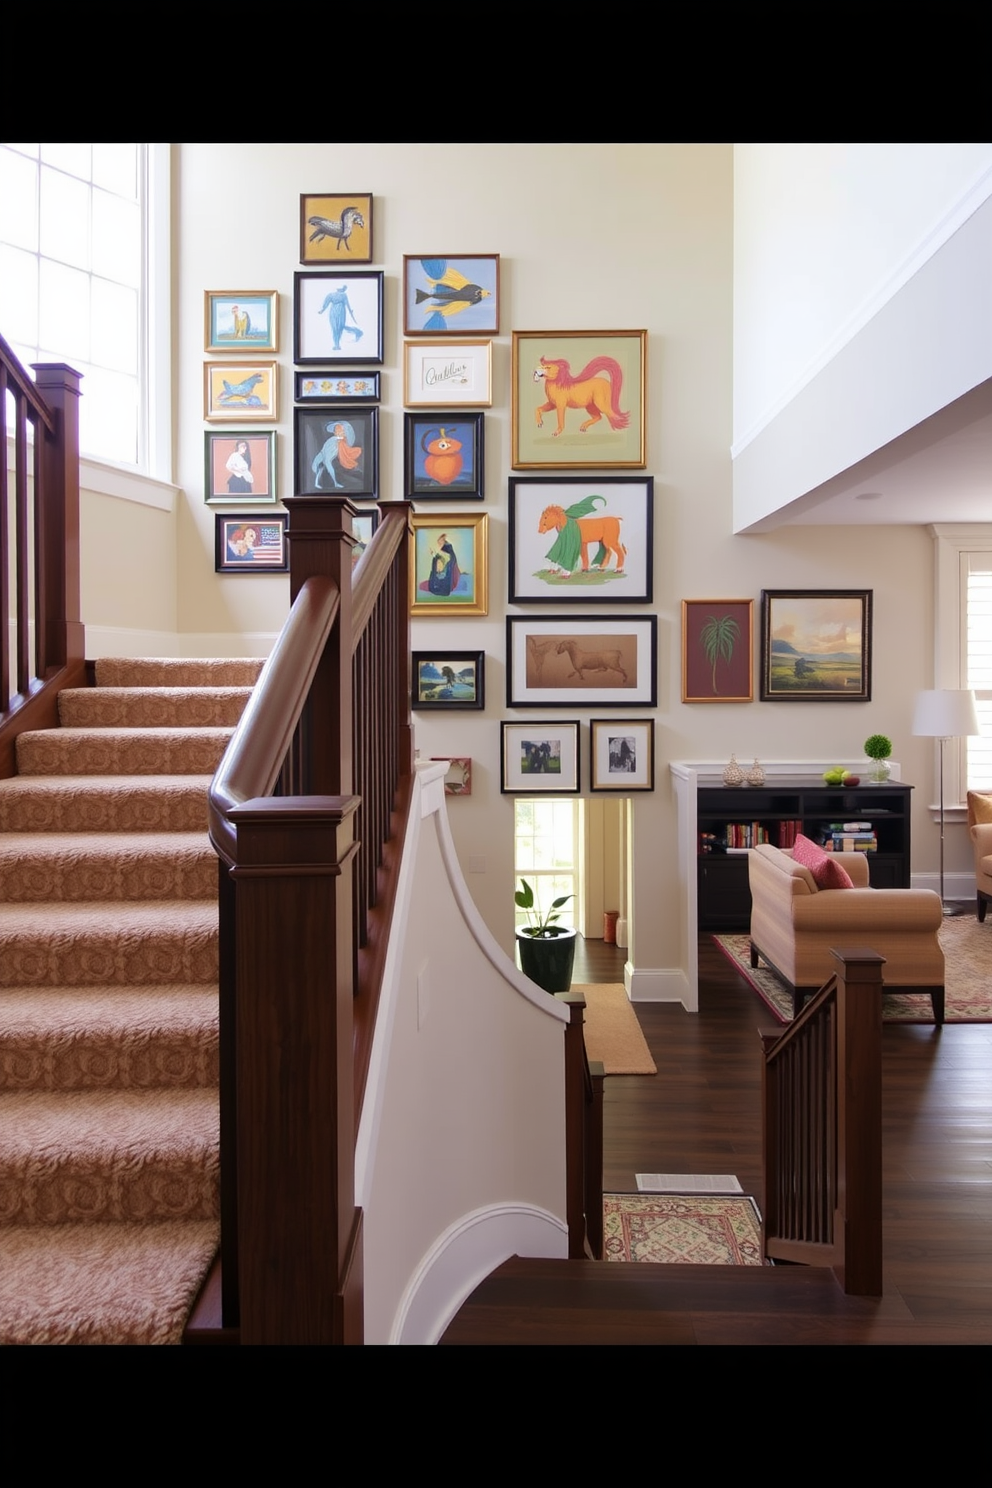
(566, 663)
(449, 567)
(540, 758)
(816, 645)
(575, 541)
(446, 680)
(579, 398)
(717, 651)
(451, 295)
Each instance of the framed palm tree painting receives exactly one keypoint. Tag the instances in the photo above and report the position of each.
(717, 651)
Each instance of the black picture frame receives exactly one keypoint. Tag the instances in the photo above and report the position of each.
(326, 387)
(325, 462)
(450, 465)
(570, 661)
(248, 543)
(434, 691)
(329, 329)
(552, 554)
(822, 652)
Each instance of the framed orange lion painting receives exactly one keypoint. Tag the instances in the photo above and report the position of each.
(579, 399)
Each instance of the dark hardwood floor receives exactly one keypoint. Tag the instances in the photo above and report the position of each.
(701, 1114)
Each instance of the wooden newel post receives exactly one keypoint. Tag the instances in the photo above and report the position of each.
(299, 1230)
(859, 1117)
(321, 539)
(57, 608)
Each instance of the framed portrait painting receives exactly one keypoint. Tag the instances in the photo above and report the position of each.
(449, 568)
(540, 758)
(239, 465)
(579, 398)
(576, 541)
(248, 543)
(337, 452)
(336, 227)
(337, 317)
(451, 294)
(622, 752)
(445, 680)
(816, 645)
(717, 651)
(566, 663)
(241, 320)
(443, 456)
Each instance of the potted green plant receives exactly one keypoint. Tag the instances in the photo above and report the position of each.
(546, 949)
(878, 747)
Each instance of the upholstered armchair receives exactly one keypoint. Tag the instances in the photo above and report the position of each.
(795, 924)
(980, 827)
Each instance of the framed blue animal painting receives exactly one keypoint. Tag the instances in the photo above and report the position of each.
(338, 317)
(336, 227)
(337, 451)
(451, 295)
(233, 391)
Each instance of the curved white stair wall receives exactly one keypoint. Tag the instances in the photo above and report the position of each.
(460, 1158)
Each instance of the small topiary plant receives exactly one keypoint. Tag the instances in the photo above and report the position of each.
(878, 747)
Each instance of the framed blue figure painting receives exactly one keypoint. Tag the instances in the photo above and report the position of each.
(337, 317)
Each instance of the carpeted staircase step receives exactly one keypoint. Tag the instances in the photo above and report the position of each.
(124, 671)
(101, 1283)
(104, 1037)
(99, 1156)
(130, 944)
(123, 751)
(78, 866)
(94, 803)
(152, 707)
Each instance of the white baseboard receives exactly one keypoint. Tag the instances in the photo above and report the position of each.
(659, 984)
(958, 887)
(110, 640)
(465, 1255)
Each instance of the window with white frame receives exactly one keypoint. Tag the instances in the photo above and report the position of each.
(72, 279)
(546, 847)
(963, 645)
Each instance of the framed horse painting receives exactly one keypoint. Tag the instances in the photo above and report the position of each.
(576, 541)
(579, 400)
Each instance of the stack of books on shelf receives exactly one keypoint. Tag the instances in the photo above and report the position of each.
(856, 836)
(740, 836)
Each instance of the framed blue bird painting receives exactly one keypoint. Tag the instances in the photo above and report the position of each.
(445, 295)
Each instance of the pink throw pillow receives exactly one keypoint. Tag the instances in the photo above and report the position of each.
(827, 872)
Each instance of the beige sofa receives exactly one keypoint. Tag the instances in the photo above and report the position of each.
(980, 827)
(795, 925)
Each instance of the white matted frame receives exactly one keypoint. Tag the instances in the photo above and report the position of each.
(621, 754)
(539, 758)
(448, 373)
(566, 662)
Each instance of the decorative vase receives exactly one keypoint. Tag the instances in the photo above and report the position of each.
(733, 774)
(878, 771)
(756, 775)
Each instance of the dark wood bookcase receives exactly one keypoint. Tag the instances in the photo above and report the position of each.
(724, 899)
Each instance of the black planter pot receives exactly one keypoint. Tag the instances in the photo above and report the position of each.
(547, 959)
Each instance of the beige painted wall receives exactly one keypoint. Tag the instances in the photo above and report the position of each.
(590, 236)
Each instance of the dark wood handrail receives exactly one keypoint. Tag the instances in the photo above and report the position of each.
(822, 1129)
(258, 749)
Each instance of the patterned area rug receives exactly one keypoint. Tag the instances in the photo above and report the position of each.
(968, 989)
(695, 1229)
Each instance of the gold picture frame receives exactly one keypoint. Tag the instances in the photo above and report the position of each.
(449, 564)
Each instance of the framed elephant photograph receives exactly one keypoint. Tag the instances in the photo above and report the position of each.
(336, 452)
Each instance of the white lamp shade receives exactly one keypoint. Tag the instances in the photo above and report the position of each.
(946, 713)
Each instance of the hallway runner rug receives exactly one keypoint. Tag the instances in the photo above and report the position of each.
(968, 989)
(613, 1034)
(692, 1229)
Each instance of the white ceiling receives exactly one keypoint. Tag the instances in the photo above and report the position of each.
(939, 471)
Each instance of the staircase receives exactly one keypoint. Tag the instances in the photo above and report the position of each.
(108, 1006)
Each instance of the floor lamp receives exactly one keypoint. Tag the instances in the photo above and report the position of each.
(945, 713)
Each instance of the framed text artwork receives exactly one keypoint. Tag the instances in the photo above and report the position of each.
(816, 645)
(717, 651)
(439, 374)
(579, 541)
(579, 398)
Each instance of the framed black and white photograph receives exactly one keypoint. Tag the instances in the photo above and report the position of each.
(336, 452)
(443, 456)
(579, 541)
(622, 754)
(566, 663)
(447, 680)
(540, 758)
(337, 317)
